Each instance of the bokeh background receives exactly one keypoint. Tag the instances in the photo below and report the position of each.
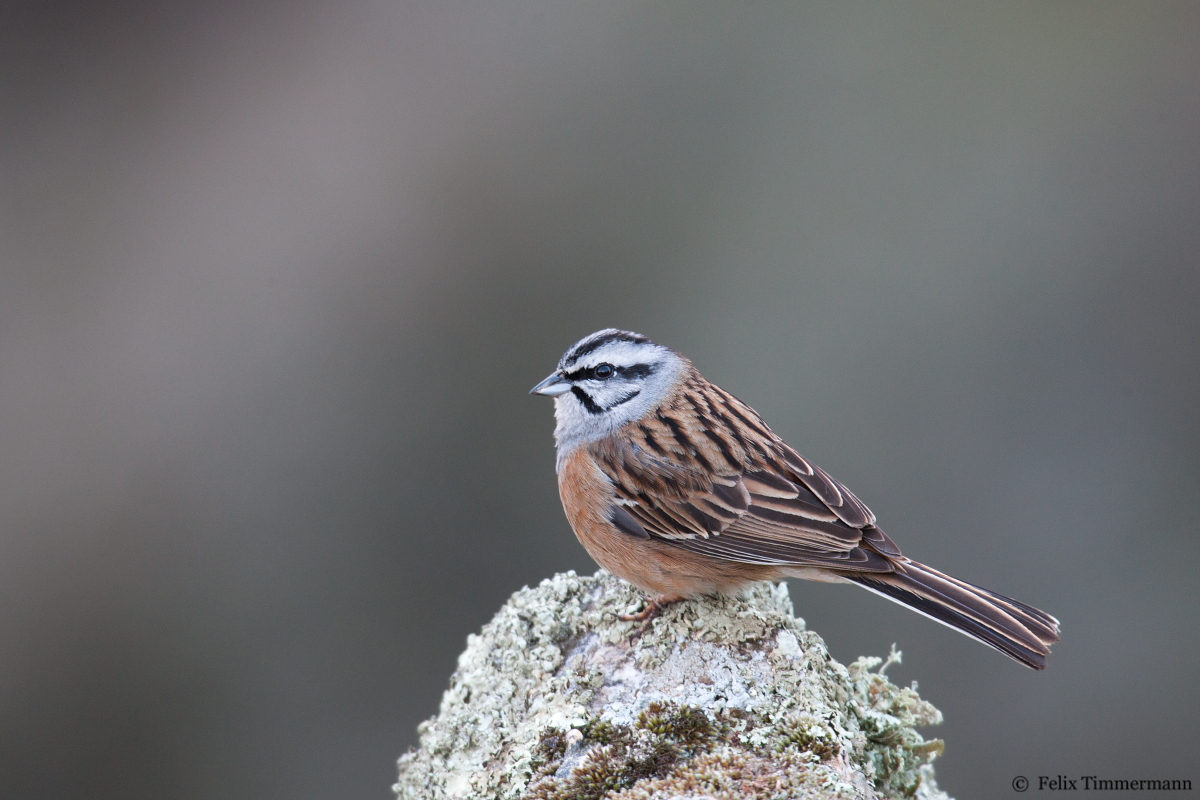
(275, 279)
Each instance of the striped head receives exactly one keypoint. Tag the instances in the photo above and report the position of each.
(606, 380)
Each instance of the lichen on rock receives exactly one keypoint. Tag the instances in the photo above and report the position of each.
(718, 698)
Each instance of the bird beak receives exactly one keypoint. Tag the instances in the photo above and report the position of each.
(552, 386)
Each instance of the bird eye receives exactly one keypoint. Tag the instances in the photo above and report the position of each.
(603, 371)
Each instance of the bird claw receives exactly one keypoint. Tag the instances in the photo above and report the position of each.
(654, 607)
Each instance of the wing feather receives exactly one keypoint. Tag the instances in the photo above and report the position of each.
(736, 493)
(811, 509)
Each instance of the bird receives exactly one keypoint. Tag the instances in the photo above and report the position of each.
(676, 486)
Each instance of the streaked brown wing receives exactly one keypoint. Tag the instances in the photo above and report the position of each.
(766, 505)
(786, 523)
(836, 497)
(700, 513)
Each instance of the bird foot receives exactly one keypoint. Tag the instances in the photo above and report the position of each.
(654, 607)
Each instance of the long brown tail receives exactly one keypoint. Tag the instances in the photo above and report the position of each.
(1019, 631)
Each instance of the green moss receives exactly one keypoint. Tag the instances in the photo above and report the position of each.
(807, 734)
(551, 747)
(689, 729)
(622, 755)
(605, 732)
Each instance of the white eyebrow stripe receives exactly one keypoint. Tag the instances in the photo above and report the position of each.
(621, 354)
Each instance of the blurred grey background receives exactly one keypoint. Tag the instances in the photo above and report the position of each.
(276, 278)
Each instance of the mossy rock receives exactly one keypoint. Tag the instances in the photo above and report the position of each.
(718, 698)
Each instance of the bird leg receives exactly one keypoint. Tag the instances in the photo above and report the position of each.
(654, 607)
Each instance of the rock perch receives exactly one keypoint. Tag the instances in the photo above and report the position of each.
(719, 698)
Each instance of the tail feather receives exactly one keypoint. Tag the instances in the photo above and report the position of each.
(1019, 631)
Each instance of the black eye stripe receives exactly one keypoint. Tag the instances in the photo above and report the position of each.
(589, 373)
(636, 371)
